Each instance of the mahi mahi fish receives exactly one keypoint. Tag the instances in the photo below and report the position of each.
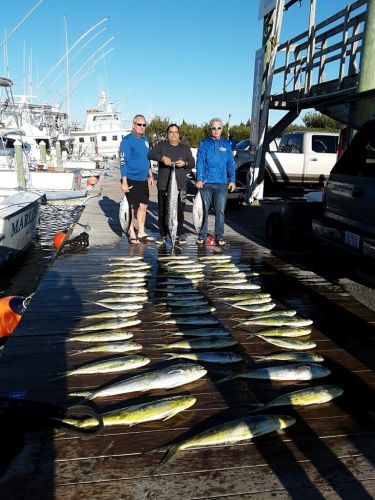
(160, 409)
(198, 211)
(201, 343)
(113, 324)
(165, 378)
(285, 331)
(229, 433)
(208, 357)
(205, 320)
(106, 336)
(293, 371)
(126, 346)
(277, 321)
(172, 205)
(111, 365)
(289, 343)
(298, 356)
(304, 397)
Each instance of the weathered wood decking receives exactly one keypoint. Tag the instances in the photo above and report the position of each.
(328, 453)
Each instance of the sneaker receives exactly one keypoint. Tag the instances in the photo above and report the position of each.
(200, 242)
(181, 240)
(161, 240)
(220, 243)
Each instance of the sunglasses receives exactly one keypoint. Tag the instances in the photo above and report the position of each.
(216, 128)
(141, 124)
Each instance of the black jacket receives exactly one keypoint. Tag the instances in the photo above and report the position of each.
(181, 151)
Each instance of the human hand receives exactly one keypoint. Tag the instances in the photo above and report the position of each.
(151, 181)
(199, 185)
(232, 187)
(167, 161)
(124, 187)
(180, 163)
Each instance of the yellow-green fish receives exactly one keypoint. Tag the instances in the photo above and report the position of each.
(208, 357)
(240, 297)
(289, 343)
(160, 409)
(291, 356)
(201, 343)
(277, 321)
(165, 378)
(293, 371)
(283, 331)
(106, 336)
(109, 325)
(111, 365)
(304, 397)
(229, 433)
(126, 346)
(110, 315)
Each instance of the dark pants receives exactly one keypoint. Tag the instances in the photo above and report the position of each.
(162, 219)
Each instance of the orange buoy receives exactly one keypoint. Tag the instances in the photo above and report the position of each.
(59, 238)
(91, 181)
(11, 310)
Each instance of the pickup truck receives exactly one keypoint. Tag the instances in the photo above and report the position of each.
(348, 218)
(303, 159)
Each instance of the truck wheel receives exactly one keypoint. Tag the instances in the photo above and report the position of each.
(274, 228)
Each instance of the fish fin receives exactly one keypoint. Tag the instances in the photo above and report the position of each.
(172, 414)
(170, 451)
(161, 346)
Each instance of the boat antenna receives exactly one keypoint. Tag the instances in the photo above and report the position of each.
(71, 48)
(76, 54)
(20, 23)
(67, 69)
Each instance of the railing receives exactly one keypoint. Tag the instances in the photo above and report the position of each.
(329, 51)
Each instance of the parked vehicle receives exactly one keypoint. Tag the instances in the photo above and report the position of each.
(302, 159)
(349, 197)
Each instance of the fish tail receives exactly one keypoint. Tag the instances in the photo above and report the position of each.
(161, 346)
(59, 377)
(83, 394)
(226, 379)
(170, 355)
(170, 451)
(259, 407)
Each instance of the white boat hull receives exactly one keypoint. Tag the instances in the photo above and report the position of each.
(19, 212)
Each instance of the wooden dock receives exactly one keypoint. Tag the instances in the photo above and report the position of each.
(328, 453)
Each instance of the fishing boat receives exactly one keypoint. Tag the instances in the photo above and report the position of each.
(19, 212)
(102, 132)
(37, 128)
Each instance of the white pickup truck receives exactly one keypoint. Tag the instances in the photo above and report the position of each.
(303, 159)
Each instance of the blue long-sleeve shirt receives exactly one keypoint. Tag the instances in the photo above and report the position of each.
(134, 163)
(215, 161)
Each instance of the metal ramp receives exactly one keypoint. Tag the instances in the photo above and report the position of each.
(320, 67)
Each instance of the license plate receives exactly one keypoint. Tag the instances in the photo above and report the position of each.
(352, 240)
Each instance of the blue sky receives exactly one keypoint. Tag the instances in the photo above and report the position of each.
(187, 60)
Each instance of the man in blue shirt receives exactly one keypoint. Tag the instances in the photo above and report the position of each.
(136, 177)
(215, 164)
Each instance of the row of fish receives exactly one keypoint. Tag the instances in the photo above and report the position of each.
(187, 306)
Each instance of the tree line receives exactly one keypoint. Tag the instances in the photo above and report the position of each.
(192, 134)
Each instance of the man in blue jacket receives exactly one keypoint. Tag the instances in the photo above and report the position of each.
(215, 164)
(136, 176)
